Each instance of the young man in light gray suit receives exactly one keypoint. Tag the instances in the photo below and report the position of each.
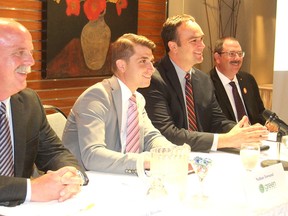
(96, 128)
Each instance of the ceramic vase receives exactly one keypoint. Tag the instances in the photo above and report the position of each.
(95, 40)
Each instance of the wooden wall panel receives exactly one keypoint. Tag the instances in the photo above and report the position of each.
(22, 5)
(63, 83)
(64, 92)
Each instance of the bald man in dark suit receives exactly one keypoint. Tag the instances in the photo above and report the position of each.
(26, 137)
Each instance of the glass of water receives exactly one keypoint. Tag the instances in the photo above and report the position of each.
(249, 154)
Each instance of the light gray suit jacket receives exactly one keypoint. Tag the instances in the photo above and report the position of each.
(92, 132)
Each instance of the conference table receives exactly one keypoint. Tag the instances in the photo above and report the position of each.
(114, 194)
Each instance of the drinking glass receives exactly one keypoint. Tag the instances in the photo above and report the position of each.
(169, 169)
(284, 147)
(201, 166)
(158, 172)
(284, 141)
(249, 154)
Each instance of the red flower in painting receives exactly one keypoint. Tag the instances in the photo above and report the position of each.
(121, 4)
(73, 7)
(93, 8)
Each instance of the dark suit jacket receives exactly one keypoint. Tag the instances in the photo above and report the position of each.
(34, 142)
(166, 107)
(250, 93)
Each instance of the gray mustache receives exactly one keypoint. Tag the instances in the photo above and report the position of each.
(23, 70)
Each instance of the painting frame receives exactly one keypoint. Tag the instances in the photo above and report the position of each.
(64, 55)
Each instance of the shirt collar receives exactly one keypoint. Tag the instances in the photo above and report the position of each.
(225, 80)
(7, 103)
(181, 73)
(126, 93)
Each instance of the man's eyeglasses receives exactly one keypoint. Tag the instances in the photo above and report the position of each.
(233, 54)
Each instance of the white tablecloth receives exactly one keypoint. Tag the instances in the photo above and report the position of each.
(109, 194)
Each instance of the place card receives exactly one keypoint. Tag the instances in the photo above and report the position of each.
(266, 186)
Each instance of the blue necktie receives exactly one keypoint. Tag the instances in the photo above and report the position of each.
(6, 152)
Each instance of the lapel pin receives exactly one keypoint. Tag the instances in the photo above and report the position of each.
(245, 90)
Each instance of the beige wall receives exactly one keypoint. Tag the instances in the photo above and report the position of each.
(255, 31)
(263, 19)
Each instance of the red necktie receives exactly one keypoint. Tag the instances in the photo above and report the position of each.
(133, 130)
(6, 152)
(190, 104)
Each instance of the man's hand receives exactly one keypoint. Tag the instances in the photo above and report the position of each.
(243, 133)
(271, 126)
(56, 185)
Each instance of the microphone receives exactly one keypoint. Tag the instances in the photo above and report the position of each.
(283, 130)
(273, 118)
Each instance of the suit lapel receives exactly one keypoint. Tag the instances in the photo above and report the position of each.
(222, 95)
(196, 84)
(243, 89)
(171, 75)
(117, 98)
(19, 133)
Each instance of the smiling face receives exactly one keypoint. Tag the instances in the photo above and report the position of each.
(15, 57)
(229, 66)
(137, 71)
(188, 51)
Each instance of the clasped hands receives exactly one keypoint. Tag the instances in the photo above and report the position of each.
(56, 185)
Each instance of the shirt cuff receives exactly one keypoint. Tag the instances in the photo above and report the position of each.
(28, 194)
(215, 143)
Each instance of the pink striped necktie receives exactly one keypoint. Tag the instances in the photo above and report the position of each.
(6, 152)
(192, 126)
(133, 129)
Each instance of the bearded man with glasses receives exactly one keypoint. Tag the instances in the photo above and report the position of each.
(228, 56)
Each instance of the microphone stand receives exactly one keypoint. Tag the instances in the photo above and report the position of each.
(270, 162)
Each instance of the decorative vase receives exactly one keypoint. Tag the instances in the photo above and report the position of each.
(95, 40)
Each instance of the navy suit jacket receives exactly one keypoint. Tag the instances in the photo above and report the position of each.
(34, 142)
(250, 94)
(165, 106)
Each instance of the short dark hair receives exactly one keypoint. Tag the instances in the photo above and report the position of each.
(218, 48)
(169, 29)
(123, 48)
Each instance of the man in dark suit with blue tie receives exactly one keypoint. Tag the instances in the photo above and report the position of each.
(228, 56)
(166, 101)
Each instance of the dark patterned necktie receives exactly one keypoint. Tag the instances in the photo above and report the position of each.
(238, 102)
(190, 104)
(6, 152)
(133, 129)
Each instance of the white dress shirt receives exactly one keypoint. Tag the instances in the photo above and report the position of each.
(228, 88)
(126, 94)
